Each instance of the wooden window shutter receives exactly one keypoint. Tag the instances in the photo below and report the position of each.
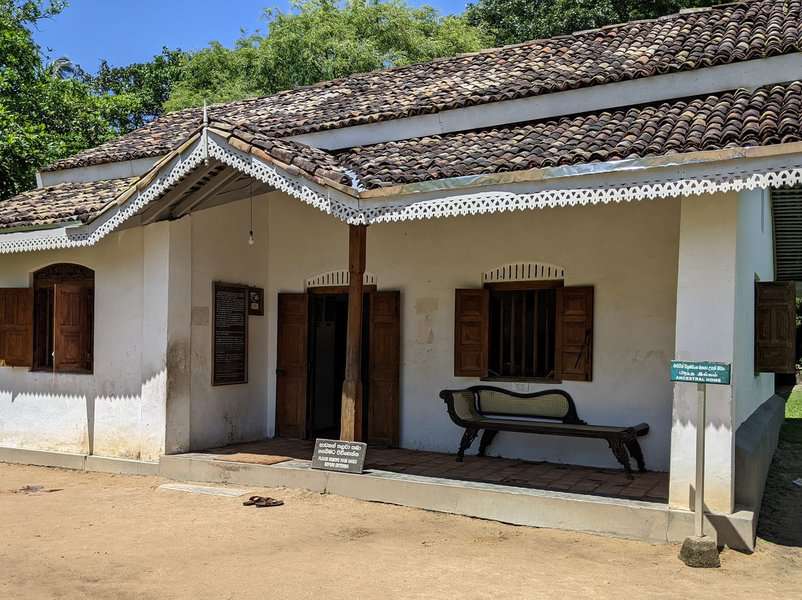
(72, 328)
(470, 332)
(775, 327)
(574, 334)
(16, 327)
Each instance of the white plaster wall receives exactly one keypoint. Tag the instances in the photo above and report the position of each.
(628, 252)
(754, 261)
(220, 252)
(116, 411)
(705, 330)
(725, 242)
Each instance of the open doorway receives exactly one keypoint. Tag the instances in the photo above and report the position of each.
(328, 320)
(310, 364)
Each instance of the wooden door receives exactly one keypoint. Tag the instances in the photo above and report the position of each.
(292, 365)
(383, 398)
(72, 328)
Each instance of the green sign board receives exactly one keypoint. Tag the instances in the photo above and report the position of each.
(700, 372)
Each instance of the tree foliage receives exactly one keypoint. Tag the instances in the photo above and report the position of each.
(145, 87)
(52, 109)
(321, 40)
(513, 21)
(43, 116)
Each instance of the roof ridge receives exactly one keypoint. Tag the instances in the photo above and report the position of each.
(725, 34)
(441, 59)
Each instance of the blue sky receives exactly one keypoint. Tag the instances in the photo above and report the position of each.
(126, 31)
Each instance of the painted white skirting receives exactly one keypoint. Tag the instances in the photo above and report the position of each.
(78, 462)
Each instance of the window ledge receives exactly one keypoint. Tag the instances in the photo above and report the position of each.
(523, 379)
(50, 370)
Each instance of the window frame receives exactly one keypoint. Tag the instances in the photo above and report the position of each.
(47, 278)
(524, 286)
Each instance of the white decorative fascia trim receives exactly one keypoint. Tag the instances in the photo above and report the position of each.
(337, 278)
(110, 219)
(500, 200)
(569, 186)
(524, 271)
(330, 202)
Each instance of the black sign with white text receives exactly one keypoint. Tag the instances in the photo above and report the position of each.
(336, 455)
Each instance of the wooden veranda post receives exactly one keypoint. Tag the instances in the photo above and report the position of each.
(351, 419)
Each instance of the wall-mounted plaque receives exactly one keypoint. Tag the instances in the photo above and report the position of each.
(256, 301)
(230, 334)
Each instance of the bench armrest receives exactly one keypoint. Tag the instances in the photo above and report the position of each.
(462, 406)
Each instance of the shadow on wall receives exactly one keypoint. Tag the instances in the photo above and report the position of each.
(44, 417)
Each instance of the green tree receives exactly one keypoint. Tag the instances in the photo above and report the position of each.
(43, 117)
(513, 21)
(218, 74)
(141, 88)
(321, 40)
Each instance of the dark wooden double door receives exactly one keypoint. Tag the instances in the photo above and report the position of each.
(311, 363)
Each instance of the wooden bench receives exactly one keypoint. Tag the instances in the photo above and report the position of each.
(550, 412)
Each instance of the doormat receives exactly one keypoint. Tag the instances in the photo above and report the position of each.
(256, 459)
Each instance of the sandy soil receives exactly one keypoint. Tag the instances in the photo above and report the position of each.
(103, 536)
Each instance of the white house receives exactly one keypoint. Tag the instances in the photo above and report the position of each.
(637, 163)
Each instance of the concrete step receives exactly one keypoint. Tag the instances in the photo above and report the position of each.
(519, 506)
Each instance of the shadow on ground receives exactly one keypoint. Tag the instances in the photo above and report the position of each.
(781, 514)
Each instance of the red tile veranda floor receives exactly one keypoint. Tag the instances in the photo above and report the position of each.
(651, 486)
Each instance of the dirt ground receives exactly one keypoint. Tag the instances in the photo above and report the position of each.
(90, 535)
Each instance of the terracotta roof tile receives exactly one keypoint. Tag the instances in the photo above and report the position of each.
(60, 203)
(742, 118)
(720, 35)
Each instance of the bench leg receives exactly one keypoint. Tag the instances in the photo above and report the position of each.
(621, 455)
(635, 452)
(487, 439)
(467, 439)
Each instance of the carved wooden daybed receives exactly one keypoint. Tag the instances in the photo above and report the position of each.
(550, 412)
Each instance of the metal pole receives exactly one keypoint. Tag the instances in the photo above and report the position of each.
(701, 420)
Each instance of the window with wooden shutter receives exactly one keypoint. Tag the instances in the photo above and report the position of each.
(574, 339)
(71, 329)
(16, 327)
(775, 327)
(63, 319)
(470, 332)
(522, 330)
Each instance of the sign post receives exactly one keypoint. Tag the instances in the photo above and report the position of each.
(700, 551)
(699, 502)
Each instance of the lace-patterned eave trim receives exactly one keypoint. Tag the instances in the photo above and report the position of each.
(477, 203)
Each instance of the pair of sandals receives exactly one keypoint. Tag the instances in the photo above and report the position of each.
(262, 501)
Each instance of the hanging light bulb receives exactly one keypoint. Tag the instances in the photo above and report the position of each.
(250, 238)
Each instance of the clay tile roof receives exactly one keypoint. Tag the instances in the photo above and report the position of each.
(720, 35)
(60, 203)
(742, 118)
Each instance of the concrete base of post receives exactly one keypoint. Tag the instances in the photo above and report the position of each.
(700, 552)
